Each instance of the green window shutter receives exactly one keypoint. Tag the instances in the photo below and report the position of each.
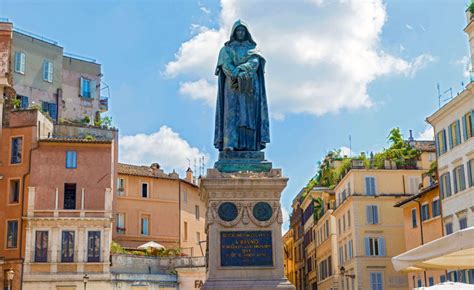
(458, 132)
(464, 127)
(445, 144)
(450, 137)
(437, 145)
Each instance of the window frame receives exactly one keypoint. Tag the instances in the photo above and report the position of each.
(437, 212)
(67, 258)
(462, 221)
(372, 220)
(459, 179)
(414, 218)
(96, 255)
(48, 70)
(18, 194)
(143, 218)
(7, 231)
(445, 185)
(12, 162)
(71, 163)
(197, 212)
(425, 211)
(22, 62)
(120, 229)
(147, 190)
(450, 224)
(84, 81)
(380, 284)
(368, 190)
(38, 258)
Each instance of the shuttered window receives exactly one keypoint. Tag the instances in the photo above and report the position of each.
(445, 185)
(20, 62)
(375, 246)
(413, 218)
(370, 185)
(468, 125)
(372, 213)
(47, 71)
(459, 180)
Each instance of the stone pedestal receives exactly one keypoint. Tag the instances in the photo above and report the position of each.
(243, 226)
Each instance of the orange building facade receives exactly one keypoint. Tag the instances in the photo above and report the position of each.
(151, 205)
(422, 224)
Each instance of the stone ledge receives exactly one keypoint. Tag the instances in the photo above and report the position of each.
(247, 284)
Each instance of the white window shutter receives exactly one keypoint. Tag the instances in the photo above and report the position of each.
(50, 71)
(372, 183)
(81, 90)
(45, 70)
(22, 62)
(375, 210)
(92, 88)
(367, 246)
(382, 247)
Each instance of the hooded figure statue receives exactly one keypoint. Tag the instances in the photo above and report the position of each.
(242, 111)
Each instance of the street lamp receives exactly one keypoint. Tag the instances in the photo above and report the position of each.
(10, 276)
(85, 279)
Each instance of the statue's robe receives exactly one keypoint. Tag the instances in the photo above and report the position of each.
(242, 112)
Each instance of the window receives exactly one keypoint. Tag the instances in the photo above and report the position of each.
(71, 159)
(349, 191)
(185, 231)
(441, 147)
(120, 187)
(463, 223)
(120, 226)
(454, 133)
(376, 282)
(67, 247)
(468, 122)
(16, 150)
(93, 246)
(435, 208)
(12, 234)
(350, 248)
(85, 88)
(145, 190)
(470, 172)
(372, 214)
(442, 278)
(196, 210)
(47, 71)
(348, 218)
(459, 180)
(345, 252)
(69, 196)
(344, 222)
(425, 213)
(144, 226)
(430, 281)
(24, 101)
(374, 246)
(449, 228)
(341, 256)
(50, 108)
(20, 62)
(370, 185)
(198, 237)
(309, 264)
(413, 218)
(339, 226)
(41, 246)
(445, 185)
(418, 283)
(14, 191)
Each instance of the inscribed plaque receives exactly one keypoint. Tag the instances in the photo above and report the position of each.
(246, 248)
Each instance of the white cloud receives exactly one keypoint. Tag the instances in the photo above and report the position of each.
(200, 90)
(321, 55)
(465, 62)
(165, 147)
(345, 151)
(205, 9)
(427, 134)
(409, 27)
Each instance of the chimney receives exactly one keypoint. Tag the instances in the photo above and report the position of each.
(189, 175)
(155, 168)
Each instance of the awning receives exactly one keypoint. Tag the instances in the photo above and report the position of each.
(151, 244)
(455, 251)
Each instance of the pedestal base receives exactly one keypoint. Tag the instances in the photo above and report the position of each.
(248, 284)
(235, 161)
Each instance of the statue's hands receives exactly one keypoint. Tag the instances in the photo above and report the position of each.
(244, 76)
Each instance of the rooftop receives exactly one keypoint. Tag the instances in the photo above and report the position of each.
(416, 196)
(152, 171)
(74, 140)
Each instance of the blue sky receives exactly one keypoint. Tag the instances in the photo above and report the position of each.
(334, 69)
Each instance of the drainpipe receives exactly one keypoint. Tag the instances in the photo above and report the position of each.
(421, 231)
(23, 181)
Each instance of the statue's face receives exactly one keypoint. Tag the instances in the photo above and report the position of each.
(241, 33)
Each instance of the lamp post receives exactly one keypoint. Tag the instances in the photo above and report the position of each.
(10, 276)
(85, 279)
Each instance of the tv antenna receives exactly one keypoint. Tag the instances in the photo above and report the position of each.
(443, 94)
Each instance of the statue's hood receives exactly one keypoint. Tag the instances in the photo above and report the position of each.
(234, 27)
